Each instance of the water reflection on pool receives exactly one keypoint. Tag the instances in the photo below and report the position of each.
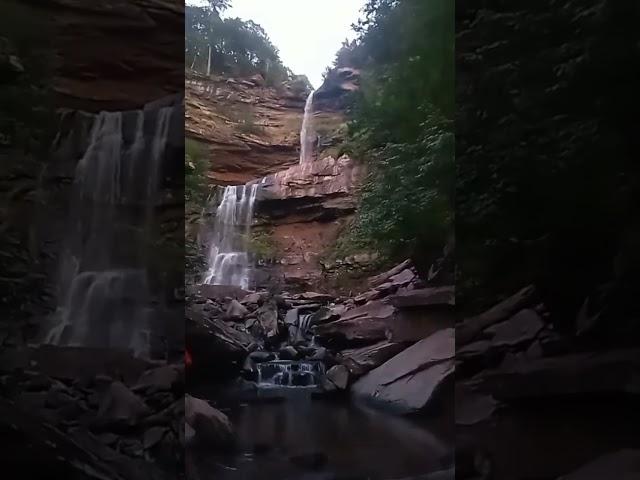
(314, 439)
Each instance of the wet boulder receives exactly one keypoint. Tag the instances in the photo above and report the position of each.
(410, 381)
(579, 374)
(319, 354)
(120, 407)
(253, 299)
(289, 353)
(236, 311)
(336, 377)
(322, 315)
(268, 318)
(214, 345)
(210, 426)
(471, 328)
(360, 326)
(361, 360)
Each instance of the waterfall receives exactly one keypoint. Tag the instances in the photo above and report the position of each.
(104, 295)
(228, 260)
(306, 132)
(304, 322)
(279, 373)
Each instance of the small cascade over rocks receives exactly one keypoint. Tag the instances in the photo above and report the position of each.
(228, 259)
(285, 373)
(104, 297)
(307, 133)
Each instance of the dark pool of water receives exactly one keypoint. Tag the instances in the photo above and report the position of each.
(349, 442)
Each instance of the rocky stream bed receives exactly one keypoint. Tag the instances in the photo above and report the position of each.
(308, 382)
(315, 386)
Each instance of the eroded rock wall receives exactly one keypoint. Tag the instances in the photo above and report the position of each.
(251, 132)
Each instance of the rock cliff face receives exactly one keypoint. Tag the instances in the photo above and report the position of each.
(252, 133)
(305, 207)
(114, 54)
(250, 130)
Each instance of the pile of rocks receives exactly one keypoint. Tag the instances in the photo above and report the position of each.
(513, 352)
(512, 356)
(95, 410)
(392, 345)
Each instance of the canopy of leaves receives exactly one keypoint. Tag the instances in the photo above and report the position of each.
(403, 122)
(238, 47)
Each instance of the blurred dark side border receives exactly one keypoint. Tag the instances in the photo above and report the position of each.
(95, 411)
(547, 237)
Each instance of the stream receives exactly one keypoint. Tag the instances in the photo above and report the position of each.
(302, 437)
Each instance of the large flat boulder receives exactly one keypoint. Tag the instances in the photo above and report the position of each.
(409, 381)
(520, 329)
(471, 328)
(612, 372)
(361, 360)
(412, 325)
(360, 326)
(425, 297)
(214, 343)
(383, 277)
(421, 312)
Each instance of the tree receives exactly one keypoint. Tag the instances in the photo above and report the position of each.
(238, 47)
(403, 123)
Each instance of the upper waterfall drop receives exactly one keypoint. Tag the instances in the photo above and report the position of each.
(105, 298)
(228, 260)
(307, 132)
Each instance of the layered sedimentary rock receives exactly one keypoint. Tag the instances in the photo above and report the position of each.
(115, 54)
(304, 209)
(249, 130)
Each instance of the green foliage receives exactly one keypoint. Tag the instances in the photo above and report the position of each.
(407, 200)
(402, 123)
(195, 167)
(300, 84)
(238, 47)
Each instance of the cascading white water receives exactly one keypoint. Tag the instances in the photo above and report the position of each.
(228, 261)
(307, 134)
(228, 257)
(281, 373)
(104, 291)
(304, 323)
